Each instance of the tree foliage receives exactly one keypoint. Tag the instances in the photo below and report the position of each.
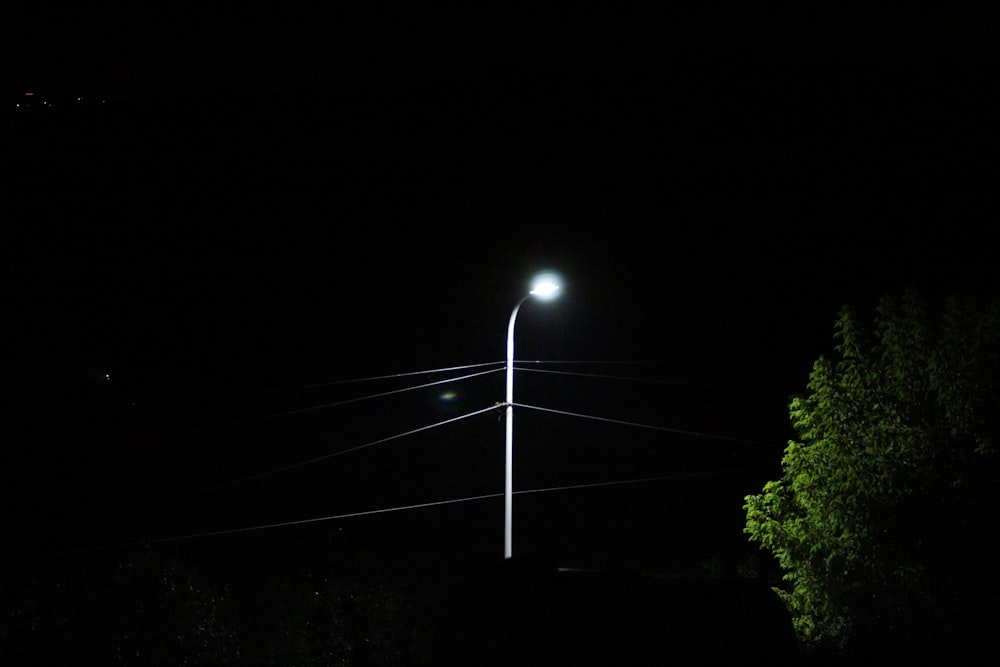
(882, 515)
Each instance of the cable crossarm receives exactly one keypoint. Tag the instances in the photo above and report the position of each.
(358, 399)
(331, 455)
(646, 426)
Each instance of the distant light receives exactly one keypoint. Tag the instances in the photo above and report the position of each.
(546, 286)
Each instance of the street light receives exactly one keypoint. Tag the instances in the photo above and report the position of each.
(545, 287)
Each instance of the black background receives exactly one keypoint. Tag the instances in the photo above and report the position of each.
(246, 199)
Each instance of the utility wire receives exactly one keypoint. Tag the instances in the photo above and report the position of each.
(349, 515)
(441, 423)
(358, 399)
(332, 383)
(317, 459)
(300, 464)
(647, 426)
(436, 503)
(334, 517)
(430, 384)
(612, 362)
(615, 377)
(640, 480)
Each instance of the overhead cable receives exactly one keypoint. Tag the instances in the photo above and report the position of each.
(332, 383)
(331, 455)
(436, 503)
(647, 426)
(365, 398)
(603, 376)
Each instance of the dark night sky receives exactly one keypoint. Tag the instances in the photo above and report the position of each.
(277, 199)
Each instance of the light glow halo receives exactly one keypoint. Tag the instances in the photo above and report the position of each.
(546, 286)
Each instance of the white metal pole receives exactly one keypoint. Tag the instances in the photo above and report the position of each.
(508, 489)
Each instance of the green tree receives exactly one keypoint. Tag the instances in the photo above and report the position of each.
(881, 519)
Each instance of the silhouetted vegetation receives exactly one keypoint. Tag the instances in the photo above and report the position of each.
(300, 603)
(155, 605)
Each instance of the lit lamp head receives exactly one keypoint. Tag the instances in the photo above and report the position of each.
(545, 286)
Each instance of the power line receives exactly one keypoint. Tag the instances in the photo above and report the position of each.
(436, 503)
(647, 426)
(358, 399)
(633, 378)
(317, 459)
(332, 383)
(334, 517)
(385, 510)
(300, 464)
(639, 480)
(611, 362)
(324, 457)
(437, 382)
(434, 425)
(615, 377)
